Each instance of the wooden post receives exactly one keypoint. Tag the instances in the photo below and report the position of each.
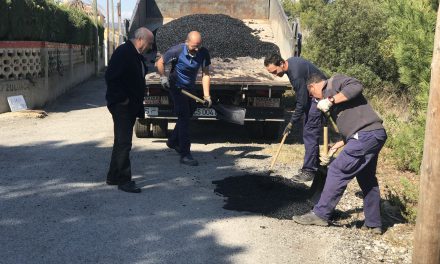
(427, 233)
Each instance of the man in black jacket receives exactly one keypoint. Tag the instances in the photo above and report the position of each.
(299, 70)
(125, 78)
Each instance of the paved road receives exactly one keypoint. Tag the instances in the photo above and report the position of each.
(56, 208)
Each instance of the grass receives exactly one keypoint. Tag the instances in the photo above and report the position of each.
(289, 153)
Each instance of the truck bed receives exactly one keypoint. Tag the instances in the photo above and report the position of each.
(240, 71)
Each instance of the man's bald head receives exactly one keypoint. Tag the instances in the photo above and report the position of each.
(143, 39)
(193, 41)
(194, 36)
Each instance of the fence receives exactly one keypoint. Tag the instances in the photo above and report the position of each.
(41, 71)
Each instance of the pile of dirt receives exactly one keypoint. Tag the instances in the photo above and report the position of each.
(222, 35)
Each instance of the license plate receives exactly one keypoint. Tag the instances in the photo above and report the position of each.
(151, 111)
(156, 100)
(205, 112)
(265, 102)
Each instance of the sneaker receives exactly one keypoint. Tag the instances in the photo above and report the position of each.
(175, 147)
(189, 160)
(304, 176)
(310, 219)
(374, 230)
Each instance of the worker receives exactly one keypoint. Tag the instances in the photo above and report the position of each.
(125, 78)
(363, 135)
(186, 59)
(299, 70)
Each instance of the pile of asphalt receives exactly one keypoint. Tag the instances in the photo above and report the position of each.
(222, 35)
(274, 197)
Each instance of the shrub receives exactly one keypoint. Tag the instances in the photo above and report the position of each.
(348, 35)
(411, 26)
(407, 143)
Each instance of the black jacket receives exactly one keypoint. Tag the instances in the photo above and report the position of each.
(299, 72)
(124, 78)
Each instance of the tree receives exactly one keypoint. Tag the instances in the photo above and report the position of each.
(427, 235)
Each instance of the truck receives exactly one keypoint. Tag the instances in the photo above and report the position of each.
(241, 82)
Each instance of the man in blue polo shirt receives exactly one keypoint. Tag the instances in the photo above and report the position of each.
(186, 59)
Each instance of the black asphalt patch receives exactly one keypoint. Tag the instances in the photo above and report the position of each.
(274, 197)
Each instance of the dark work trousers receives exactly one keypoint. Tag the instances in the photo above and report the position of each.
(184, 108)
(312, 130)
(358, 159)
(123, 122)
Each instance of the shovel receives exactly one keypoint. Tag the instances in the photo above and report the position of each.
(319, 181)
(274, 159)
(229, 113)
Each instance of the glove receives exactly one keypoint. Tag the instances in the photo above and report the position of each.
(288, 128)
(324, 105)
(207, 102)
(165, 82)
(326, 159)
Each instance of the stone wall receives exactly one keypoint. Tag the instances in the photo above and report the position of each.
(41, 71)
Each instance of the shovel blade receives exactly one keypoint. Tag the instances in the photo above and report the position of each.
(230, 113)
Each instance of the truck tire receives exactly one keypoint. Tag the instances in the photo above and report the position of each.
(142, 128)
(255, 129)
(271, 130)
(160, 128)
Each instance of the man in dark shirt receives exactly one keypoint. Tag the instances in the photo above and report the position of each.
(186, 59)
(299, 70)
(125, 78)
(363, 135)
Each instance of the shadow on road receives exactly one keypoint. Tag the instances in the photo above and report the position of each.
(56, 208)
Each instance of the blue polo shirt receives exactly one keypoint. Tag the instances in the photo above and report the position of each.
(184, 66)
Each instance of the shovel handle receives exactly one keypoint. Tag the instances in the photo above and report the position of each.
(192, 96)
(332, 122)
(325, 141)
(278, 151)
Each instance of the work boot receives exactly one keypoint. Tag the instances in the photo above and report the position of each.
(175, 147)
(113, 182)
(130, 187)
(310, 219)
(304, 176)
(374, 230)
(189, 160)
(110, 182)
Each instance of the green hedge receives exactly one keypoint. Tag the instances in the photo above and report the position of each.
(4, 18)
(48, 22)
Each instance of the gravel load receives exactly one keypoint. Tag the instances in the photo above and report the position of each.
(222, 35)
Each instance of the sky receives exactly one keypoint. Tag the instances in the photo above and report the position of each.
(127, 7)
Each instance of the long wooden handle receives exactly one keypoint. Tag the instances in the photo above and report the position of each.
(325, 152)
(278, 151)
(192, 96)
(332, 122)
